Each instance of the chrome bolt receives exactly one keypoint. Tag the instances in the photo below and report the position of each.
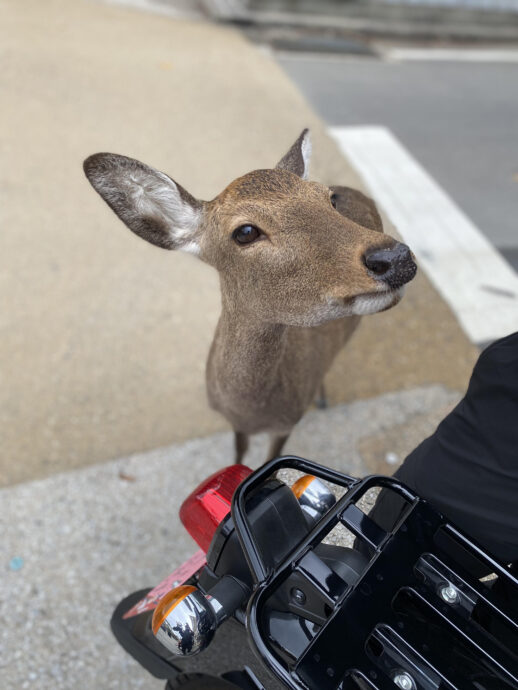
(404, 681)
(449, 594)
(298, 596)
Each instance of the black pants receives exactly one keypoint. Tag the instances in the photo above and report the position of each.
(468, 469)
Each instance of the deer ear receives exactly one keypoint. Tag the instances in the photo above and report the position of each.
(297, 158)
(149, 202)
(357, 207)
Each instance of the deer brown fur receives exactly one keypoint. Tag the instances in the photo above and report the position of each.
(299, 264)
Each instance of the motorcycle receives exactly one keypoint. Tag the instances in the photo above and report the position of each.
(271, 601)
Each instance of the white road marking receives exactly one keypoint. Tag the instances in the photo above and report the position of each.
(478, 284)
(450, 55)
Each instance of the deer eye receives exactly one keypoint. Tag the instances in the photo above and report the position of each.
(246, 234)
(333, 199)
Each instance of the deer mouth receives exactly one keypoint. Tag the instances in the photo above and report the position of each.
(375, 302)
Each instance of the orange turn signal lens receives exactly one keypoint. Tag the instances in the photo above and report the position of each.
(302, 484)
(167, 604)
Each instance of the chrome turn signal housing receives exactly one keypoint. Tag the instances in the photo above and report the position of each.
(184, 621)
(313, 495)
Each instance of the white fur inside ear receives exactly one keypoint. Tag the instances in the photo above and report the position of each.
(190, 248)
(157, 195)
(305, 150)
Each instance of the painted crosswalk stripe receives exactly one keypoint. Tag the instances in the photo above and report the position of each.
(478, 284)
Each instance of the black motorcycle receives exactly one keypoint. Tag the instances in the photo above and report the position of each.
(271, 602)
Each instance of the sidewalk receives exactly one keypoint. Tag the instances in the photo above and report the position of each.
(104, 337)
(90, 537)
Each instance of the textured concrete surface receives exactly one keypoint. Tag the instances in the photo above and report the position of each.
(104, 337)
(384, 451)
(85, 539)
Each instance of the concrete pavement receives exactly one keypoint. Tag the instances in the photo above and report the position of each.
(104, 337)
(87, 538)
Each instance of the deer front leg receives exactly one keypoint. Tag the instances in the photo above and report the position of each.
(240, 445)
(276, 446)
(321, 399)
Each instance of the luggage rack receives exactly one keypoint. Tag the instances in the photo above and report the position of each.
(417, 618)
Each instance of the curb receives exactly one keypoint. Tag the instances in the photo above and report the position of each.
(375, 21)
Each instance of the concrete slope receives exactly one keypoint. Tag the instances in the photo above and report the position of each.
(104, 337)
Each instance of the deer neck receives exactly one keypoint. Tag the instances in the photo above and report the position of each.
(246, 352)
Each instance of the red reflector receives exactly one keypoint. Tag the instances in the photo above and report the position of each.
(205, 508)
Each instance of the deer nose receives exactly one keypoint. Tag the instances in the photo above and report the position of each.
(395, 265)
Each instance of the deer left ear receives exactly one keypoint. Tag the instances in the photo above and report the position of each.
(150, 203)
(297, 158)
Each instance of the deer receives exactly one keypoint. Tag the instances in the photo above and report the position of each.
(299, 264)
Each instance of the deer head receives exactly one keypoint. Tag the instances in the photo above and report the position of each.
(288, 250)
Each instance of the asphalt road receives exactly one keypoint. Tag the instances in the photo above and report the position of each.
(459, 119)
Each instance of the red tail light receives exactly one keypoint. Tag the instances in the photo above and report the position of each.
(205, 508)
